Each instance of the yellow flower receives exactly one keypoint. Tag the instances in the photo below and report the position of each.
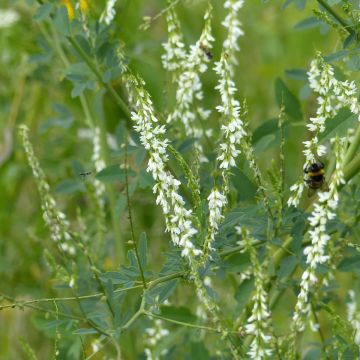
(69, 8)
(84, 6)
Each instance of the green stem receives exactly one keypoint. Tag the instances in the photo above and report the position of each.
(195, 326)
(130, 218)
(335, 15)
(353, 146)
(140, 312)
(352, 168)
(120, 102)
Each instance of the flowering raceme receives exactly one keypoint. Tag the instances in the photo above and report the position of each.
(332, 96)
(178, 218)
(54, 219)
(175, 53)
(189, 85)
(324, 210)
(232, 129)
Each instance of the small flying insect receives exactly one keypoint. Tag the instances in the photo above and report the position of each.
(85, 174)
(207, 52)
(315, 178)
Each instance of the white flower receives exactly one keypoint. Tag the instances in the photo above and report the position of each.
(109, 13)
(315, 252)
(8, 18)
(178, 219)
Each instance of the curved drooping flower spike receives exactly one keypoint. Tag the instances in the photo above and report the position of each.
(332, 95)
(178, 218)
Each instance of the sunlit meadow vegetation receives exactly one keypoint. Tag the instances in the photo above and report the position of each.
(179, 179)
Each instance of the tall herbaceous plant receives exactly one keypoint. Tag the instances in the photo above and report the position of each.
(187, 235)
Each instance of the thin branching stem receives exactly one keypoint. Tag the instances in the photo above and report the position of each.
(133, 239)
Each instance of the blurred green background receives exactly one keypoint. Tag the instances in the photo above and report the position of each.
(32, 82)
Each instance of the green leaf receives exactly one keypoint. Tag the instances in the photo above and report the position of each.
(43, 12)
(69, 186)
(113, 173)
(339, 125)
(336, 56)
(349, 40)
(182, 314)
(266, 142)
(291, 103)
(245, 188)
(61, 21)
(243, 294)
(120, 205)
(308, 23)
(199, 351)
(349, 264)
(85, 331)
(297, 74)
(236, 262)
(143, 249)
(112, 74)
(145, 180)
(287, 266)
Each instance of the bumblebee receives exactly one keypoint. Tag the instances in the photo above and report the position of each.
(207, 52)
(315, 178)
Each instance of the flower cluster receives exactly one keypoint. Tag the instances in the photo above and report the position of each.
(8, 18)
(232, 129)
(99, 162)
(175, 52)
(332, 95)
(233, 25)
(54, 219)
(217, 202)
(190, 87)
(258, 323)
(178, 218)
(324, 210)
(109, 13)
(153, 336)
(353, 316)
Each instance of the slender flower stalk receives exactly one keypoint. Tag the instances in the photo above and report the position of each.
(175, 53)
(54, 219)
(189, 85)
(258, 324)
(332, 96)
(324, 210)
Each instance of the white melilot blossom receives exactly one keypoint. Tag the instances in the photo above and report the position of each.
(175, 53)
(109, 13)
(178, 218)
(258, 324)
(332, 96)
(189, 85)
(99, 162)
(324, 210)
(233, 25)
(8, 18)
(153, 336)
(55, 220)
(232, 129)
(353, 316)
